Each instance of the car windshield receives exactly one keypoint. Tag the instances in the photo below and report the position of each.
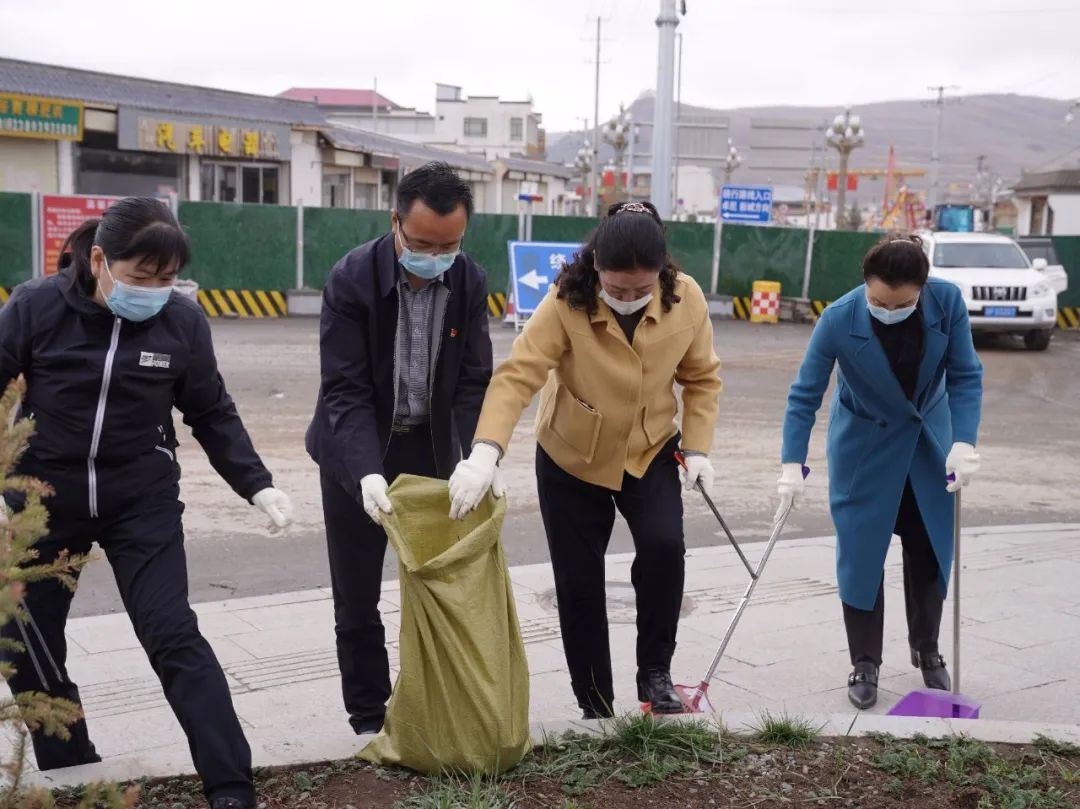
(997, 256)
(1046, 251)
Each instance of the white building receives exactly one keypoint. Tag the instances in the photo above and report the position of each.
(486, 125)
(1048, 203)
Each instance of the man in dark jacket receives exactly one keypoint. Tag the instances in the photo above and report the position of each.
(405, 361)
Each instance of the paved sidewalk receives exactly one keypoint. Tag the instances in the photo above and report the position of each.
(1021, 648)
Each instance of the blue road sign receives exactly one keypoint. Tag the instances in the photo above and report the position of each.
(746, 203)
(533, 267)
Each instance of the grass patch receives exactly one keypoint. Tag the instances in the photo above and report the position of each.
(1056, 748)
(782, 730)
(467, 792)
(636, 750)
(1015, 782)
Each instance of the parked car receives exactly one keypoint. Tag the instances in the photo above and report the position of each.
(1005, 292)
(1040, 249)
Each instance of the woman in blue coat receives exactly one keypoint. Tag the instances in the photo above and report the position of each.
(904, 417)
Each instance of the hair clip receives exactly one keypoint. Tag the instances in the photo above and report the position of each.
(634, 207)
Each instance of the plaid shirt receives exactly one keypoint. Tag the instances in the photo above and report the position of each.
(416, 309)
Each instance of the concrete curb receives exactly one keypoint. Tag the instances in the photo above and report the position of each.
(175, 761)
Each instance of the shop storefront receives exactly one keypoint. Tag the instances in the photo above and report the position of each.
(33, 132)
(215, 159)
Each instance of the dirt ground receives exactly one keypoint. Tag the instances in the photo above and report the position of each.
(1030, 443)
(880, 773)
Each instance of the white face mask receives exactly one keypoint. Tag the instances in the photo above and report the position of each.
(624, 307)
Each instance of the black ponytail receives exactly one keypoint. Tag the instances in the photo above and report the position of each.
(140, 228)
(631, 237)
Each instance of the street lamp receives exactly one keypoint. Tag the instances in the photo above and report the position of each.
(845, 135)
(616, 133)
(732, 160)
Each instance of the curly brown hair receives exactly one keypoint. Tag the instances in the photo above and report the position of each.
(631, 237)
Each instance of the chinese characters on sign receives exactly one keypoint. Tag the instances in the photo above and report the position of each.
(60, 215)
(42, 118)
(746, 203)
(210, 140)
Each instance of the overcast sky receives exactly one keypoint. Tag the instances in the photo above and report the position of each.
(737, 52)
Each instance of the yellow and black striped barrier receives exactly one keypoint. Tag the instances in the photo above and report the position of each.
(817, 307)
(226, 302)
(243, 303)
(497, 304)
(741, 308)
(1069, 317)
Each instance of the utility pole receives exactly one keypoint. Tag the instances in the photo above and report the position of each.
(935, 153)
(375, 105)
(678, 120)
(663, 121)
(594, 189)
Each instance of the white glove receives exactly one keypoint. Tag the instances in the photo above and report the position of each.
(791, 483)
(964, 462)
(276, 505)
(373, 492)
(790, 486)
(471, 480)
(698, 469)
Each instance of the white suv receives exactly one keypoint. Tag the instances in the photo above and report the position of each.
(1004, 292)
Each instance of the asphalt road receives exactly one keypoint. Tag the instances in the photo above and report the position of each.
(1030, 443)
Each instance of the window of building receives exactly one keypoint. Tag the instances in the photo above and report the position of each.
(476, 127)
(239, 182)
(102, 168)
(517, 129)
(335, 189)
(365, 196)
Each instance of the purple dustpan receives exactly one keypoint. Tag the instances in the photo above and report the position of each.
(936, 703)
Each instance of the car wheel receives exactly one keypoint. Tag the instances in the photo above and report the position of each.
(1038, 340)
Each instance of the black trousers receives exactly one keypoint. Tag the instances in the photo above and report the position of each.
(146, 550)
(578, 519)
(357, 548)
(922, 593)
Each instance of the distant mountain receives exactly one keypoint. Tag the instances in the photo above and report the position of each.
(1014, 132)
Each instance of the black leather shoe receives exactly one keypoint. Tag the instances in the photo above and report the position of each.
(231, 803)
(362, 725)
(655, 687)
(934, 673)
(862, 686)
(591, 713)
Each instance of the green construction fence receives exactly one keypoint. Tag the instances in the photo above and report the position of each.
(255, 247)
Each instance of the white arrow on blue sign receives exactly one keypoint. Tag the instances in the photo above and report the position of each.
(750, 204)
(533, 269)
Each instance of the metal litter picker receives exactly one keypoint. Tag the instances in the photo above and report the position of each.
(955, 705)
(692, 696)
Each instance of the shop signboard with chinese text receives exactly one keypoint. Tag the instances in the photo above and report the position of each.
(60, 215)
(146, 131)
(40, 118)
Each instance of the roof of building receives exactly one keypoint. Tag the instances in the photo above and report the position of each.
(351, 139)
(339, 97)
(537, 167)
(31, 78)
(1060, 180)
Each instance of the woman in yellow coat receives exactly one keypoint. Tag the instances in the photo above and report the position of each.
(614, 335)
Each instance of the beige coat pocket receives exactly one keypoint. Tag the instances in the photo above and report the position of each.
(575, 423)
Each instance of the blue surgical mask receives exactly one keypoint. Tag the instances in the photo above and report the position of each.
(890, 317)
(428, 266)
(135, 303)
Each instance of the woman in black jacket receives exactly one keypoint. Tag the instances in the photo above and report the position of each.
(108, 350)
